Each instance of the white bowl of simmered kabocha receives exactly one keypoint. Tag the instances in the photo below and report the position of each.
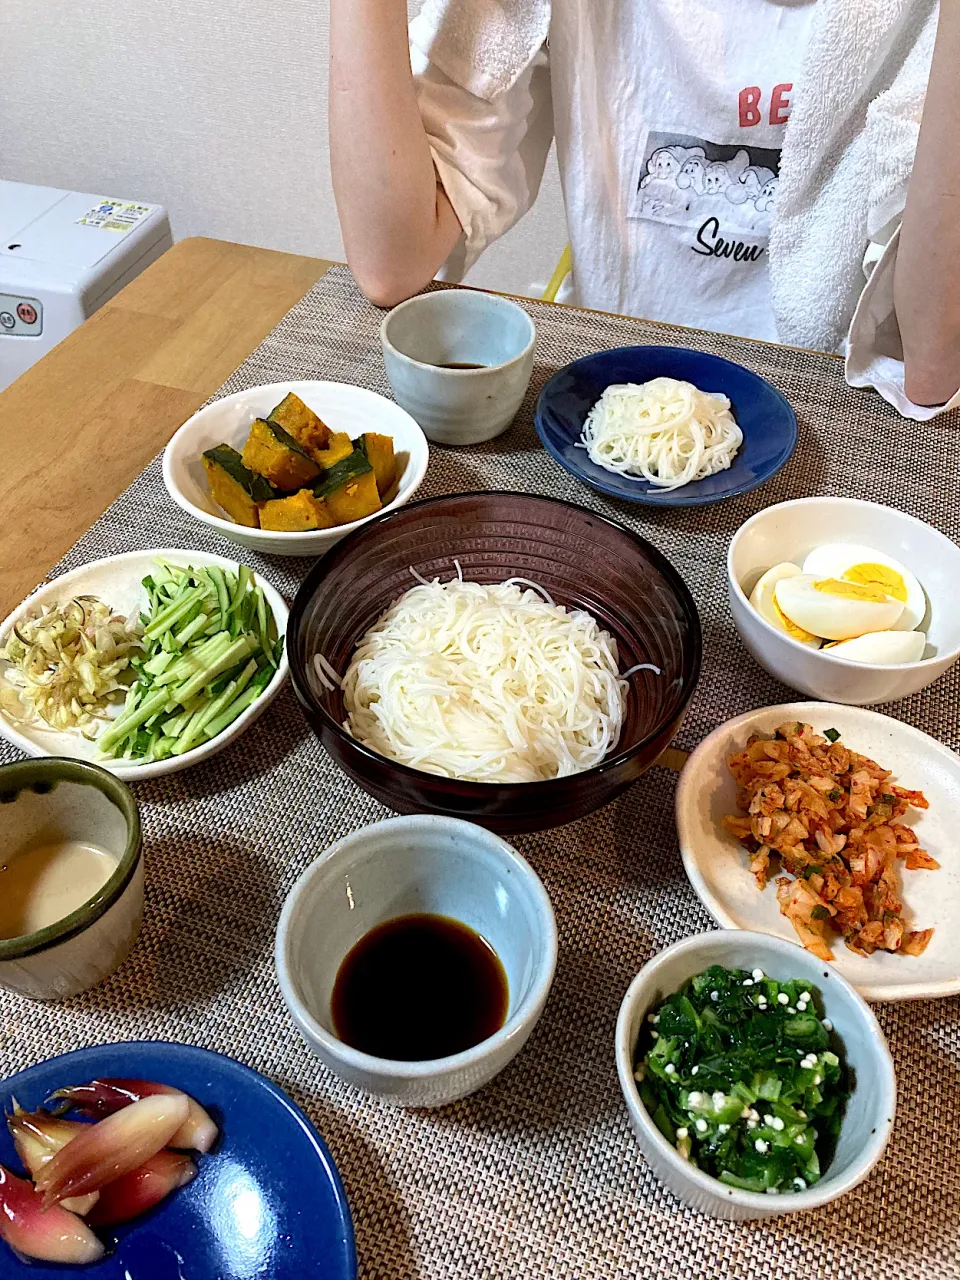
(291, 467)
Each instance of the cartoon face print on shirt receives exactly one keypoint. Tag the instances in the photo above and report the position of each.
(724, 194)
(692, 175)
(665, 179)
(662, 165)
(766, 198)
(718, 177)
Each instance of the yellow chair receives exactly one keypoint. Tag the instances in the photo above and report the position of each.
(564, 267)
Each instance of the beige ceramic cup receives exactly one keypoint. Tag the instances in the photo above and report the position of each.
(42, 801)
(464, 327)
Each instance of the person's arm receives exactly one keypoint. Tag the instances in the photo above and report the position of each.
(398, 225)
(927, 280)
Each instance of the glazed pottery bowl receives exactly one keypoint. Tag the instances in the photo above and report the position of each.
(459, 406)
(43, 801)
(867, 1121)
(118, 580)
(717, 865)
(267, 1202)
(407, 866)
(581, 559)
(789, 531)
(228, 421)
(764, 416)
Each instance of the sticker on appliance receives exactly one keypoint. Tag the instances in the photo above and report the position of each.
(115, 215)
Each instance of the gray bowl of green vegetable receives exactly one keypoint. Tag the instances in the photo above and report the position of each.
(757, 1080)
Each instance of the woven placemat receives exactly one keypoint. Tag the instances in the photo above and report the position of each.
(538, 1174)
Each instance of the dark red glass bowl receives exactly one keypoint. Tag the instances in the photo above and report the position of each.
(582, 559)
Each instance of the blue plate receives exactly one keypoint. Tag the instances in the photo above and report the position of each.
(266, 1202)
(764, 415)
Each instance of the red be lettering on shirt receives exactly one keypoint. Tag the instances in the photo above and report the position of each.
(780, 103)
(749, 106)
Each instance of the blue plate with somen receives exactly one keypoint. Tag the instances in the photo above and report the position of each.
(267, 1200)
(764, 416)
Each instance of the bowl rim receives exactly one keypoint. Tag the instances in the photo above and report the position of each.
(479, 790)
(516, 1024)
(938, 659)
(421, 299)
(822, 1192)
(419, 459)
(179, 1059)
(689, 784)
(655, 497)
(124, 769)
(48, 771)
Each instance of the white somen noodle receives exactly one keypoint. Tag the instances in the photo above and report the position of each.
(491, 683)
(667, 432)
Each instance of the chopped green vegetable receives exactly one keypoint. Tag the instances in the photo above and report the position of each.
(831, 735)
(736, 1072)
(211, 647)
(820, 913)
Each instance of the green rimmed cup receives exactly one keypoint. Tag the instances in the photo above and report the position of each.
(42, 801)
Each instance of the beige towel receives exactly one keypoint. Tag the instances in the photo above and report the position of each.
(484, 45)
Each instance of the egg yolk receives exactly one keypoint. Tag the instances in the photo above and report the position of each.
(791, 628)
(852, 590)
(880, 576)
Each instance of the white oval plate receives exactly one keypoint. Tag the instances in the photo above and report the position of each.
(116, 581)
(342, 407)
(716, 863)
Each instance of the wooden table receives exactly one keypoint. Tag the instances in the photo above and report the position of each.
(81, 425)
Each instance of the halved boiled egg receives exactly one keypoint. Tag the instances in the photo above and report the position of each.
(835, 608)
(763, 599)
(881, 648)
(863, 565)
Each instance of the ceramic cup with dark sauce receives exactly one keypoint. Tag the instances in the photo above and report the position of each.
(460, 362)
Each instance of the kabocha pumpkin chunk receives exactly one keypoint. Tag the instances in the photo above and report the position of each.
(350, 468)
(355, 499)
(340, 446)
(379, 451)
(296, 514)
(350, 489)
(235, 487)
(275, 454)
(298, 419)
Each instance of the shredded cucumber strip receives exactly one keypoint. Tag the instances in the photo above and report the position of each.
(211, 648)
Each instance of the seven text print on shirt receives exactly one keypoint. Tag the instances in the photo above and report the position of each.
(724, 192)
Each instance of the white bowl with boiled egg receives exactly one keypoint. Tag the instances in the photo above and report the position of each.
(845, 600)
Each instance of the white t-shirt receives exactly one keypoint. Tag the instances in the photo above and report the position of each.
(668, 156)
(669, 161)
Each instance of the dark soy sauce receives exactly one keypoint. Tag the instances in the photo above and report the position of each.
(462, 366)
(419, 987)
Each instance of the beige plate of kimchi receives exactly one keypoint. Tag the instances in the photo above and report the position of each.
(855, 872)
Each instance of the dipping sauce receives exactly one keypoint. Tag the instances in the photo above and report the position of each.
(417, 988)
(40, 886)
(456, 365)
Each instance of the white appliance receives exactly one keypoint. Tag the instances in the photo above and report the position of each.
(63, 254)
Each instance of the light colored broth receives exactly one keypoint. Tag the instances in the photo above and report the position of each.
(42, 885)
